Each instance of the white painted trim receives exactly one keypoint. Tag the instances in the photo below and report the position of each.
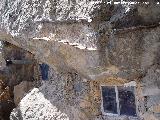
(136, 100)
(117, 100)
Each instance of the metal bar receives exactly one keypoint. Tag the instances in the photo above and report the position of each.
(22, 61)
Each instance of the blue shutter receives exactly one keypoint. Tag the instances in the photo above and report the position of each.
(44, 71)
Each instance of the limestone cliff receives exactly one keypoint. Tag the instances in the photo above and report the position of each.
(87, 44)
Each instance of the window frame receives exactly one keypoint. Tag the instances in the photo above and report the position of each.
(117, 101)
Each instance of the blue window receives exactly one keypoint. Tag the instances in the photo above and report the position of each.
(109, 100)
(118, 100)
(44, 71)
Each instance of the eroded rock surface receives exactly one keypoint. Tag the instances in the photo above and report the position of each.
(88, 44)
(20, 90)
(58, 98)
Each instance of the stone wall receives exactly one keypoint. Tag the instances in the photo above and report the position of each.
(125, 57)
(62, 97)
(77, 98)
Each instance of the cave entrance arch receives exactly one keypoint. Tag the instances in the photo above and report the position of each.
(19, 72)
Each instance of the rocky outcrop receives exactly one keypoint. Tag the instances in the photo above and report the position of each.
(72, 97)
(39, 26)
(58, 98)
(88, 44)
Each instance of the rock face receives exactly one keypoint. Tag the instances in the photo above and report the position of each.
(87, 44)
(39, 26)
(58, 98)
(20, 90)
